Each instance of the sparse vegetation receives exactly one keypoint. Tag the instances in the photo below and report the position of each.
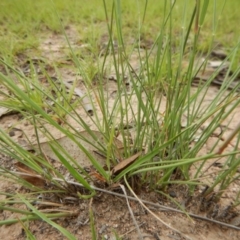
(133, 115)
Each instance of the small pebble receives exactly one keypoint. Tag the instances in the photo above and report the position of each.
(172, 194)
(105, 236)
(11, 133)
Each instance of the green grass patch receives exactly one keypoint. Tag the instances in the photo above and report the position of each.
(156, 150)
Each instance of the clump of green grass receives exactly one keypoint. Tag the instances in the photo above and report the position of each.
(156, 148)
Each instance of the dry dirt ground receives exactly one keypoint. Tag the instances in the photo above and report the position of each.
(111, 213)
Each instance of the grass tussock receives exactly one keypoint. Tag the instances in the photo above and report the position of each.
(151, 133)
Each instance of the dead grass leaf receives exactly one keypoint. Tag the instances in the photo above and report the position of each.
(29, 175)
(125, 163)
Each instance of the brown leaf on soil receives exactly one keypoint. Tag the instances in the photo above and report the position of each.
(29, 175)
(23, 168)
(34, 180)
(125, 163)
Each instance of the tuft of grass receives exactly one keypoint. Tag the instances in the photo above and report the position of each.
(146, 115)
